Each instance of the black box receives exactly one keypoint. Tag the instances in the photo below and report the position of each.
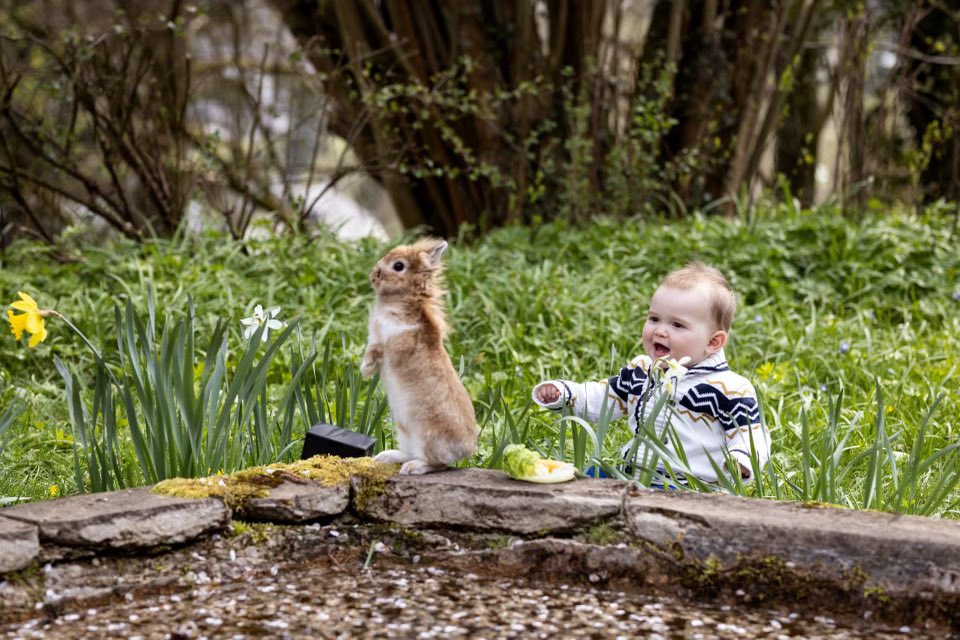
(330, 440)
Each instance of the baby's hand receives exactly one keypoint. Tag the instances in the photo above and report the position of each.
(548, 393)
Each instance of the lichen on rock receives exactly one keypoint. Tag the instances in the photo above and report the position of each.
(237, 488)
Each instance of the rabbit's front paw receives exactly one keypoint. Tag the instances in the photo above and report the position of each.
(371, 361)
(368, 368)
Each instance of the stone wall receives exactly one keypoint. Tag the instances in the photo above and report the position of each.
(597, 531)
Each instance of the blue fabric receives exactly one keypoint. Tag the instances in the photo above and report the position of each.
(662, 485)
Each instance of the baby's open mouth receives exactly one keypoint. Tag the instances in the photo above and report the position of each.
(660, 350)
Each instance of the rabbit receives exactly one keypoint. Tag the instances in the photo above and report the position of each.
(436, 424)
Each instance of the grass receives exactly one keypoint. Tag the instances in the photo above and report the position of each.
(846, 327)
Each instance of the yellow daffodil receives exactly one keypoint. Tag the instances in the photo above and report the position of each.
(54, 491)
(31, 320)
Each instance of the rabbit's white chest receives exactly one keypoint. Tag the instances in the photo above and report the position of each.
(385, 325)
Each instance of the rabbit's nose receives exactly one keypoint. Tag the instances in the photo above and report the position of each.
(375, 275)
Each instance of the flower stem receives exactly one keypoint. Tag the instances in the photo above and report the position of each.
(57, 314)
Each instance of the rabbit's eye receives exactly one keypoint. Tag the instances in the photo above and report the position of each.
(398, 266)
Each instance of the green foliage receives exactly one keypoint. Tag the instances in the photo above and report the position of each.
(354, 403)
(185, 416)
(846, 329)
(7, 417)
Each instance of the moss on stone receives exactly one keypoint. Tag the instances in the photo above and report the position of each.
(817, 504)
(30, 575)
(878, 594)
(767, 577)
(602, 533)
(332, 471)
(704, 577)
(256, 532)
(499, 541)
(369, 490)
(238, 488)
(234, 489)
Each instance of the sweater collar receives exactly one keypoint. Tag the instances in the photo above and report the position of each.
(711, 364)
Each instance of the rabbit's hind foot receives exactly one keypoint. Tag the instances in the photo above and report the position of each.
(417, 467)
(392, 456)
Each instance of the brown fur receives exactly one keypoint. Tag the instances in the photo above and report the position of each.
(436, 425)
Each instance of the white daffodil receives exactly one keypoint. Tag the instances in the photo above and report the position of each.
(673, 372)
(260, 318)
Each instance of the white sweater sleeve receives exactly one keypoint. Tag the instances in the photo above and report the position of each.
(585, 399)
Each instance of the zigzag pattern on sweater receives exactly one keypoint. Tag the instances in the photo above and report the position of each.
(731, 412)
(629, 382)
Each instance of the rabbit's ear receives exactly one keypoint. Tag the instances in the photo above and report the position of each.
(436, 253)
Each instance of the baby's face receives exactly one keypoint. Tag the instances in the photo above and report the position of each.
(679, 323)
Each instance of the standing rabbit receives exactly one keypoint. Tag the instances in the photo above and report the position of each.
(435, 421)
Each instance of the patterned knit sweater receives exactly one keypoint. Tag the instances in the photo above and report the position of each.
(711, 410)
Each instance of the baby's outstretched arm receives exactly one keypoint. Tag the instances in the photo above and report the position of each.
(551, 394)
(584, 399)
(548, 393)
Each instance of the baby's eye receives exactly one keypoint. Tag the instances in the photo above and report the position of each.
(398, 266)
(678, 325)
(653, 319)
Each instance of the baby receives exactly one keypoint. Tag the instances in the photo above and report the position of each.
(711, 411)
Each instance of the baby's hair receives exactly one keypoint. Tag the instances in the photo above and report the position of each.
(722, 299)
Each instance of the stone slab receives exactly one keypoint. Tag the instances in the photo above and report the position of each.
(127, 520)
(19, 544)
(908, 552)
(484, 499)
(291, 503)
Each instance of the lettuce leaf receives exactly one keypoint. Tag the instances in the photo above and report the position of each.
(522, 464)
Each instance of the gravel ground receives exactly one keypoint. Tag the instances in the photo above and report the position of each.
(324, 583)
(423, 603)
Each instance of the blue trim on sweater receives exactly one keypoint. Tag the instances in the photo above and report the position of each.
(629, 382)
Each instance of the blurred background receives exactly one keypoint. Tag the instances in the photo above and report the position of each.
(460, 116)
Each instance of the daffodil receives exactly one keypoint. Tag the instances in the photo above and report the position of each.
(676, 368)
(260, 318)
(31, 320)
(673, 371)
(53, 490)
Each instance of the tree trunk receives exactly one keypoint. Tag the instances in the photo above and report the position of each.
(444, 167)
(933, 98)
(797, 137)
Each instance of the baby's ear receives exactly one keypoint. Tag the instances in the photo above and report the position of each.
(717, 341)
